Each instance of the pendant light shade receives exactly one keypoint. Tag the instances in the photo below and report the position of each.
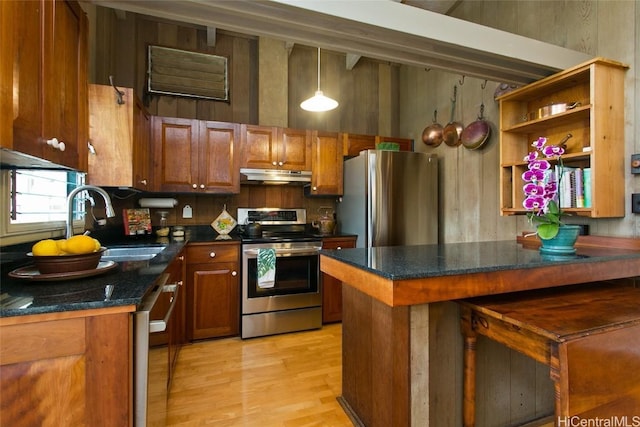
(319, 102)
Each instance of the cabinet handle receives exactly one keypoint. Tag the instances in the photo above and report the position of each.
(143, 181)
(280, 163)
(202, 186)
(234, 273)
(315, 188)
(194, 186)
(339, 248)
(274, 163)
(181, 258)
(212, 255)
(179, 283)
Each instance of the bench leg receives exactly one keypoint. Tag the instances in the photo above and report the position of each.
(469, 372)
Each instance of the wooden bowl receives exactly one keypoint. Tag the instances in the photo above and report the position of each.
(67, 263)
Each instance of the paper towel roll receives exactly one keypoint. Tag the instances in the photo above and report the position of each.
(155, 202)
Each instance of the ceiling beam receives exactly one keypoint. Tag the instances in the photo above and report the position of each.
(378, 29)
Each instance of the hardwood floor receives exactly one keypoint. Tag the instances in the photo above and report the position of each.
(284, 380)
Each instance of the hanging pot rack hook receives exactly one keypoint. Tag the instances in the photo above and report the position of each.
(119, 93)
(455, 93)
(461, 81)
(484, 85)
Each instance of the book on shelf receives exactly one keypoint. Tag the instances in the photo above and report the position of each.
(586, 183)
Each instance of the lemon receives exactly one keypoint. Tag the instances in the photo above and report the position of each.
(80, 244)
(97, 243)
(62, 245)
(46, 247)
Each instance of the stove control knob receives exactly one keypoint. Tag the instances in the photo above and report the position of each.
(212, 255)
(234, 273)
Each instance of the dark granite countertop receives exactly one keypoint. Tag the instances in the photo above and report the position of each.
(130, 280)
(423, 261)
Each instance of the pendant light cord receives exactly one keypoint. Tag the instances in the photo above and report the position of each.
(318, 68)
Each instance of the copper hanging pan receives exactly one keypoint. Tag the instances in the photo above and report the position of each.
(432, 134)
(453, 130)
(476, 134)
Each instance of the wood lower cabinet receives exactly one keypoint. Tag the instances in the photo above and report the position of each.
(120, 135)
(326, 161)
(195, 156)
(48, 49)
(67, 369)
(213, 290)
(332, 287)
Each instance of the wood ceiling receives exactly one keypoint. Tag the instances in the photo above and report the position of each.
(414, 32)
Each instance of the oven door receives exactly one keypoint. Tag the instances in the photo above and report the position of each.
(297, 278)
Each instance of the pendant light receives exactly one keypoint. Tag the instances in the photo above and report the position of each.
(319, 102)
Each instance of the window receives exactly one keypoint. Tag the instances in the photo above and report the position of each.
(41, 196)
(36, 203)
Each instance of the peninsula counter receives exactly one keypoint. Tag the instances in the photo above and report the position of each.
(401, 337)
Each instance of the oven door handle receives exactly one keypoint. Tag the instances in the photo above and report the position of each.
(161, 325)
(297, 251)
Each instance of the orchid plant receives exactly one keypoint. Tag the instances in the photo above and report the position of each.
(541, 188)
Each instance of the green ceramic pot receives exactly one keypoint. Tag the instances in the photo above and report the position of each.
(563, 243)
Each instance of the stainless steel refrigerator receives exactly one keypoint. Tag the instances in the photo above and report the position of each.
(390, 198)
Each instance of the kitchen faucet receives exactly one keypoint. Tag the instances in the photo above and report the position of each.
(107, 203)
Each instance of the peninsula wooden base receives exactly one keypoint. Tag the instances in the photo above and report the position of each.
(587, 335)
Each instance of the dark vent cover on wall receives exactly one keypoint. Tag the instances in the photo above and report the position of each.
(185, 73)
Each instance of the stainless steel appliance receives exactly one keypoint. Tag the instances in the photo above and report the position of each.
(390, 198)
(151, 371)
(294, 302)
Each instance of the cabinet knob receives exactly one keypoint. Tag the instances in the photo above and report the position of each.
(280, 163)
(181, 258)
(274, 163)
(315, 188)
(202, 186)
(194, 186)
(212, 255)
(143, 181)
(179, 282)
(339, 248)
(234, 273)
(53, 142)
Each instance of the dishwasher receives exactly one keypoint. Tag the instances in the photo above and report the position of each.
(151, 364)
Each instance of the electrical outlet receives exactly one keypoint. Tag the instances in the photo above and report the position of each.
(187, 212)
(635, 163)
(635, 203)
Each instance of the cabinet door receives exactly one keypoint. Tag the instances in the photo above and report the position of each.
(219, 159)
(65, 85)
(175, 143)
(294, 149)
(354, 144)
(26, 83)
(141, 147)
(213, 306)
(332, 287)
(327, 164)
(259, 150)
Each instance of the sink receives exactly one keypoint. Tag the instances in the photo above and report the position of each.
(131, 253)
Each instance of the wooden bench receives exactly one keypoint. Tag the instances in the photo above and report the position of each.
(588, 335)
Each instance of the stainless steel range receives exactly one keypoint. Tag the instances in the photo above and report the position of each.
(290, 298)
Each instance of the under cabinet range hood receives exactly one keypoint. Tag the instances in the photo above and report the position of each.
(274, 176)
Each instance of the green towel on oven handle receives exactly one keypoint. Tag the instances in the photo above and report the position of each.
(266, 268)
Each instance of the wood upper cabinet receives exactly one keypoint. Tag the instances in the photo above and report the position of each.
(195, 156)
(48, 48)
(213, 290)
(353, 143)
(120, 135)
(596, 146)
(327, 164)
(332, 287)
(270, 147)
